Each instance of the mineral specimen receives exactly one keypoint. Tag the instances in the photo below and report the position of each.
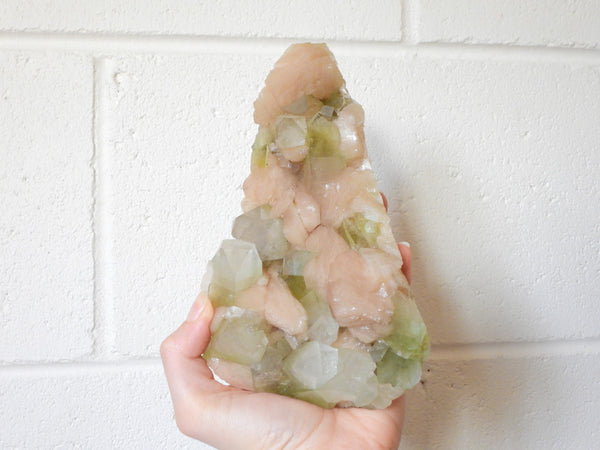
(309, 299)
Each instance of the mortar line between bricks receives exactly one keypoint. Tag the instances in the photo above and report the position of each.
(499, 350)
(85, 367)
(410, 22)
(103, 331)
(440, 352)
(181, 44)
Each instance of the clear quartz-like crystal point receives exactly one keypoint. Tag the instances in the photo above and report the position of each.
(312, 364)
(265, 233)
(236, 266)
(268, 374)
(291, 137)
(322, 327)
(239, 338)
(354, 383)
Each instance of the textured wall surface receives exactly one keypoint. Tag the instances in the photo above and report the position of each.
(125, 129)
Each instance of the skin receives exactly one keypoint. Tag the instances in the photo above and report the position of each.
(229, 418)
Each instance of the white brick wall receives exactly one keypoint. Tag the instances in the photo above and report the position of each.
(124, 137)
(88, 406)
(331, 19)
(573, 23)
(46, 203)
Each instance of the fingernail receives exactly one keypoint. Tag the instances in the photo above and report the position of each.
(406, 244)
(196, 309)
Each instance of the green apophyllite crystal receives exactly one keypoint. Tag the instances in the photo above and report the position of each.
(256, 226)
(239, 338)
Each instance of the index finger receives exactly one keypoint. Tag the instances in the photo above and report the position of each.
(403, 247)
(406, 259)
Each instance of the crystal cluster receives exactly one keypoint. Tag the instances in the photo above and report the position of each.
(310, 301)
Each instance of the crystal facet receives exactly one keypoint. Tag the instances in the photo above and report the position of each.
(312, 364)
(265, 233)
(235, 267)
(240, 337)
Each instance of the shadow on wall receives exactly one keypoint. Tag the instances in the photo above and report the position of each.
(503, 403)
(461, 402)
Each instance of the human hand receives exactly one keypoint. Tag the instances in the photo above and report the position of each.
(229, 417)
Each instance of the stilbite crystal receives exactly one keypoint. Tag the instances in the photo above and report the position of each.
(310, 300)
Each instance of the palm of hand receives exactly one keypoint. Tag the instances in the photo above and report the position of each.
(228, 417)
(290, 423)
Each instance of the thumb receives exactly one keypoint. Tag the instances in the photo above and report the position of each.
(192, 337)
(181, 352)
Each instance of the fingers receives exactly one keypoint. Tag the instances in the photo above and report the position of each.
(404, 248)
(406, 259)
(396, 412)
(187, 373)
(191, 338)
(385, 202)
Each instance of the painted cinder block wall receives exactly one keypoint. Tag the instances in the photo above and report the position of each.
(125, 129)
